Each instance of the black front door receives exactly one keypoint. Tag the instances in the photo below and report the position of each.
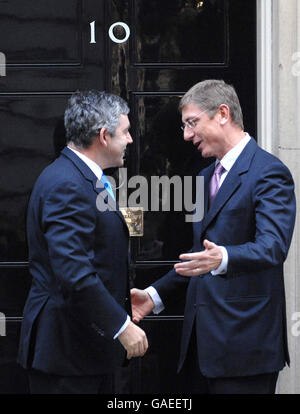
(149, 52)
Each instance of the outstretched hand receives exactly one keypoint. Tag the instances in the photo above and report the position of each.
(199, 263)
(141, 304)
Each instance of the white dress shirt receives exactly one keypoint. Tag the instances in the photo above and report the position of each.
(97, 170)
(227, 162)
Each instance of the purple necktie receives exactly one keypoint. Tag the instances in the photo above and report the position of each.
(215, 182)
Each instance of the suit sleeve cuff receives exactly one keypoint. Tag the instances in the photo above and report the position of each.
(158, 304)
(223, 266)
(123, 327)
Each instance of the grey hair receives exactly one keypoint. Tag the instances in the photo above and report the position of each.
(208, 95)
(89, 111)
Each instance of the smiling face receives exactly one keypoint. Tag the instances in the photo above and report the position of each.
(207, 134)
(117, 144)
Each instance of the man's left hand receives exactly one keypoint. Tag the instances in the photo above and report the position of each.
(199, 263)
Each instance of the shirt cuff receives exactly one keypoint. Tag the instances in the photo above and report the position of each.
(223, 266)
(158, 304)
(123, 327)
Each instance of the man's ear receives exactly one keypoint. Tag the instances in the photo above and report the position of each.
(224, 113)
(103, 136)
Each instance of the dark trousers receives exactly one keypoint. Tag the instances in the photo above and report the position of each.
(196, 383)
(42, 383)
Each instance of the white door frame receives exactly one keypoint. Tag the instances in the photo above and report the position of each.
(266, 93)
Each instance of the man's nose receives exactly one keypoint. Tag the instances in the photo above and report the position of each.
(129, 138)
(188, 133)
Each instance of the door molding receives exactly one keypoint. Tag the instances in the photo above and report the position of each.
(266, 99)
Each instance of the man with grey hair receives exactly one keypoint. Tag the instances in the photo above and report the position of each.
(76, 328)
(235, 316)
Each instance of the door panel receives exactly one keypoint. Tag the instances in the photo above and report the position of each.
(47, 45)
(41, 32)
(26, 149)
(173, 32)
(54, 48)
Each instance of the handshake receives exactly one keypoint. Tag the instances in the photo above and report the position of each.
(133, 338)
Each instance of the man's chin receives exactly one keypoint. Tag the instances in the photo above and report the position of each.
(203, 153)
(206, 154)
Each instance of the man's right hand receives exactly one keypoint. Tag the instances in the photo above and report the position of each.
(141, 304)
(134, 340)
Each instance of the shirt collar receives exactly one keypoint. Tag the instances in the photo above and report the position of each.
(97, 170)
(231, 156)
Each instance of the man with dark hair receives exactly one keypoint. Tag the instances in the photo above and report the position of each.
(76, 327)
(234, 338)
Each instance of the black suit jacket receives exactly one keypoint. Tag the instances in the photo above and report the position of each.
(240, 317)
(78, 259)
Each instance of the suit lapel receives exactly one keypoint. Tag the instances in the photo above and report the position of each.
(230, 184)
(97, 185)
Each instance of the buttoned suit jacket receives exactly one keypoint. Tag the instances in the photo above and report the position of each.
(240, 317)
(78, 260)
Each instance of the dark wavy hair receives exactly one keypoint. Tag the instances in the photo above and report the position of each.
(89, 111)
